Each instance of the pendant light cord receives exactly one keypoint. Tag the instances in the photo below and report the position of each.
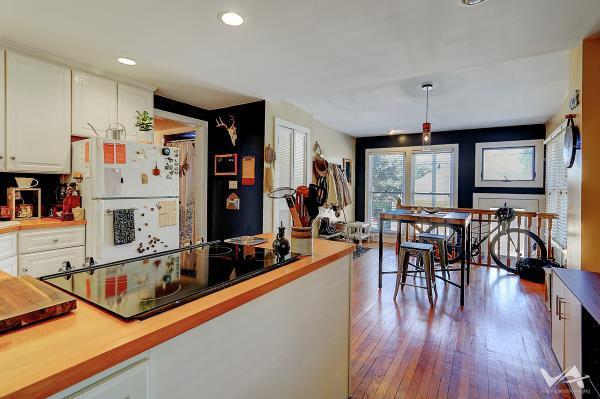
(427, 106)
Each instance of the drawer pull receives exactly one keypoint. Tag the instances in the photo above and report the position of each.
(55, 240)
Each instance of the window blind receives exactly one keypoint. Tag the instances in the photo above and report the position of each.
(556, 188)
(386, 183)
(432, 179)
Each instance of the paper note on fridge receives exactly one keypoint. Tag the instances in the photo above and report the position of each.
(167, 213)
(112, 181)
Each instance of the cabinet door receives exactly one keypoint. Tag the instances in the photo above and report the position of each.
(131, 383)
(49, 262)
(572, 320)
(9, 265)
(94, 102)
(132, 99)
(8, 245)
(2, 115)
(38, 115)
(558, 325)
(49, 239)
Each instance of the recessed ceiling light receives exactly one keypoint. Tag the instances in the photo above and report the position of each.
(231, 18)
(126, 61)
(472, 2)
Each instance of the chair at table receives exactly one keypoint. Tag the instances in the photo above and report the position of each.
(424, 252)
(441, 241)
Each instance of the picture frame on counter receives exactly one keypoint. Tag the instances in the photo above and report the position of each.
(226, 165)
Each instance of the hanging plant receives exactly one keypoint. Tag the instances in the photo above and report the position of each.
(144, 121)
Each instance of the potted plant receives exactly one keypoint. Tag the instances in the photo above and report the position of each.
(144, 122)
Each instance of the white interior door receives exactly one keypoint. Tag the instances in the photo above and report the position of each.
(292, 165)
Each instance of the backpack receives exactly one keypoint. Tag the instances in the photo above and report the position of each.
(532, 269)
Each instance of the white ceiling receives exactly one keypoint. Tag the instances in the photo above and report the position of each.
(517, 92)
(311, 51)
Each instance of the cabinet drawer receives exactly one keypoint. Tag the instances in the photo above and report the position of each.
(49, 262)
(49, 239)
(8, 245)
(9, 265)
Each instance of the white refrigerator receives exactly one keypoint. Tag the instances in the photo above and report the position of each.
(138, 180)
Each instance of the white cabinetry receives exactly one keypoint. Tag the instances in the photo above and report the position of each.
(2, 115)
(566, 329)
(8, 253)
(132, 99)
(43, 252)
(130, 383)
(94, 102)
(38, 115)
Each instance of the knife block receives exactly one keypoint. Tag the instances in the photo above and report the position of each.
(25, 203)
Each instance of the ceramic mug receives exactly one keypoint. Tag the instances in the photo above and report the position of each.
(26, 182)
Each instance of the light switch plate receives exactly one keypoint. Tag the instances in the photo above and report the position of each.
(233, 184)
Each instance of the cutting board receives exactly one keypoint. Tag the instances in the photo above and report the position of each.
(25, 300)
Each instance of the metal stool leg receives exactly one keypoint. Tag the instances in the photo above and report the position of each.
(400, 275)
(428, 281)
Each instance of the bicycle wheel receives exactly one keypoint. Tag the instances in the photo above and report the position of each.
(507, 247)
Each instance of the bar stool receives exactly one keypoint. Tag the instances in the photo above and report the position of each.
(442, 243)
(420, 250)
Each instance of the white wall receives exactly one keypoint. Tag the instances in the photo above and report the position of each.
(335, 146)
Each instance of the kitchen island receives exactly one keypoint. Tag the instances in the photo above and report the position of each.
(282, 334)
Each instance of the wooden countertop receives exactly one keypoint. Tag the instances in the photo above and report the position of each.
(46, 358)
(585, 286)
(44, 223)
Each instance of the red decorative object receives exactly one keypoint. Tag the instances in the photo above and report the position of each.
(156, 170)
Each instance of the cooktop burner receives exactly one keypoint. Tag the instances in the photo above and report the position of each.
(142, 287)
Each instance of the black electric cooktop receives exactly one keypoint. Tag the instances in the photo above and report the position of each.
(142, 287)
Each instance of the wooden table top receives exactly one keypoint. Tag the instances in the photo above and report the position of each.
(43, 359)
(585, 286)
(450, 218)
(43, 223)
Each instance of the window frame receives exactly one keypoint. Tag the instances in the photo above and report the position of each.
(538, 160)
(408, 184)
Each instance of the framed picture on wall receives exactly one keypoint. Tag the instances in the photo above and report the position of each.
(226, 165)
(347, 166)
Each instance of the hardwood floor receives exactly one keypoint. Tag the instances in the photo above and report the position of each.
(494, 348)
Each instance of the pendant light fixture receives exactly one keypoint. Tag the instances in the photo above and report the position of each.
(426, 125)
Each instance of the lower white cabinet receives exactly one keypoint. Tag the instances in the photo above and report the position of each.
(9, 265)
(49, 239)
(49, 262)
(8, 245)
(130, 383)
(566, 329)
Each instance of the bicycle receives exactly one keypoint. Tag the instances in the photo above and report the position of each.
(524, 242)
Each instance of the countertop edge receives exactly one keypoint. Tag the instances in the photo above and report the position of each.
(90, 367)
(44, 223)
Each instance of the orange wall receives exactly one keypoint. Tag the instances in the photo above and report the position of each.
(590, 176)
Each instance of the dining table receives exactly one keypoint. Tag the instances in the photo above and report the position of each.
(460, 221)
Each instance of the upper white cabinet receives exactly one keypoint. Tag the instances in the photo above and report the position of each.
(2, 131)
(132, 99)
(94, 101)
(38, 115)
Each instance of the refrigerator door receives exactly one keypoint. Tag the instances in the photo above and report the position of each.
(156, 225)
(133, 170)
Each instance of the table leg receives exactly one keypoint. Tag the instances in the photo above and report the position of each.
(462, 266)
(468, 253)
(380, 251)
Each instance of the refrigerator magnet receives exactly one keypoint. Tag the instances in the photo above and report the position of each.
(144, 178)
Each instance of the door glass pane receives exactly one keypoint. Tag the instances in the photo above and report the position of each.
(432, 179)
(509, 164)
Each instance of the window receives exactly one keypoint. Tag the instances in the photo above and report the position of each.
(432, 177)
(556, 186)
(291, 146)
(510, 164)
(386, 183)
(416, 177)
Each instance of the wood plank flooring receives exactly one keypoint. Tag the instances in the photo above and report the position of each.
(494, 348)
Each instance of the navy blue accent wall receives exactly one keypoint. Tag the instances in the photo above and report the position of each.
(250, 121)
(466, 140)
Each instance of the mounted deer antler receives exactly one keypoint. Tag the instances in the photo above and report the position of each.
(232, 130)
